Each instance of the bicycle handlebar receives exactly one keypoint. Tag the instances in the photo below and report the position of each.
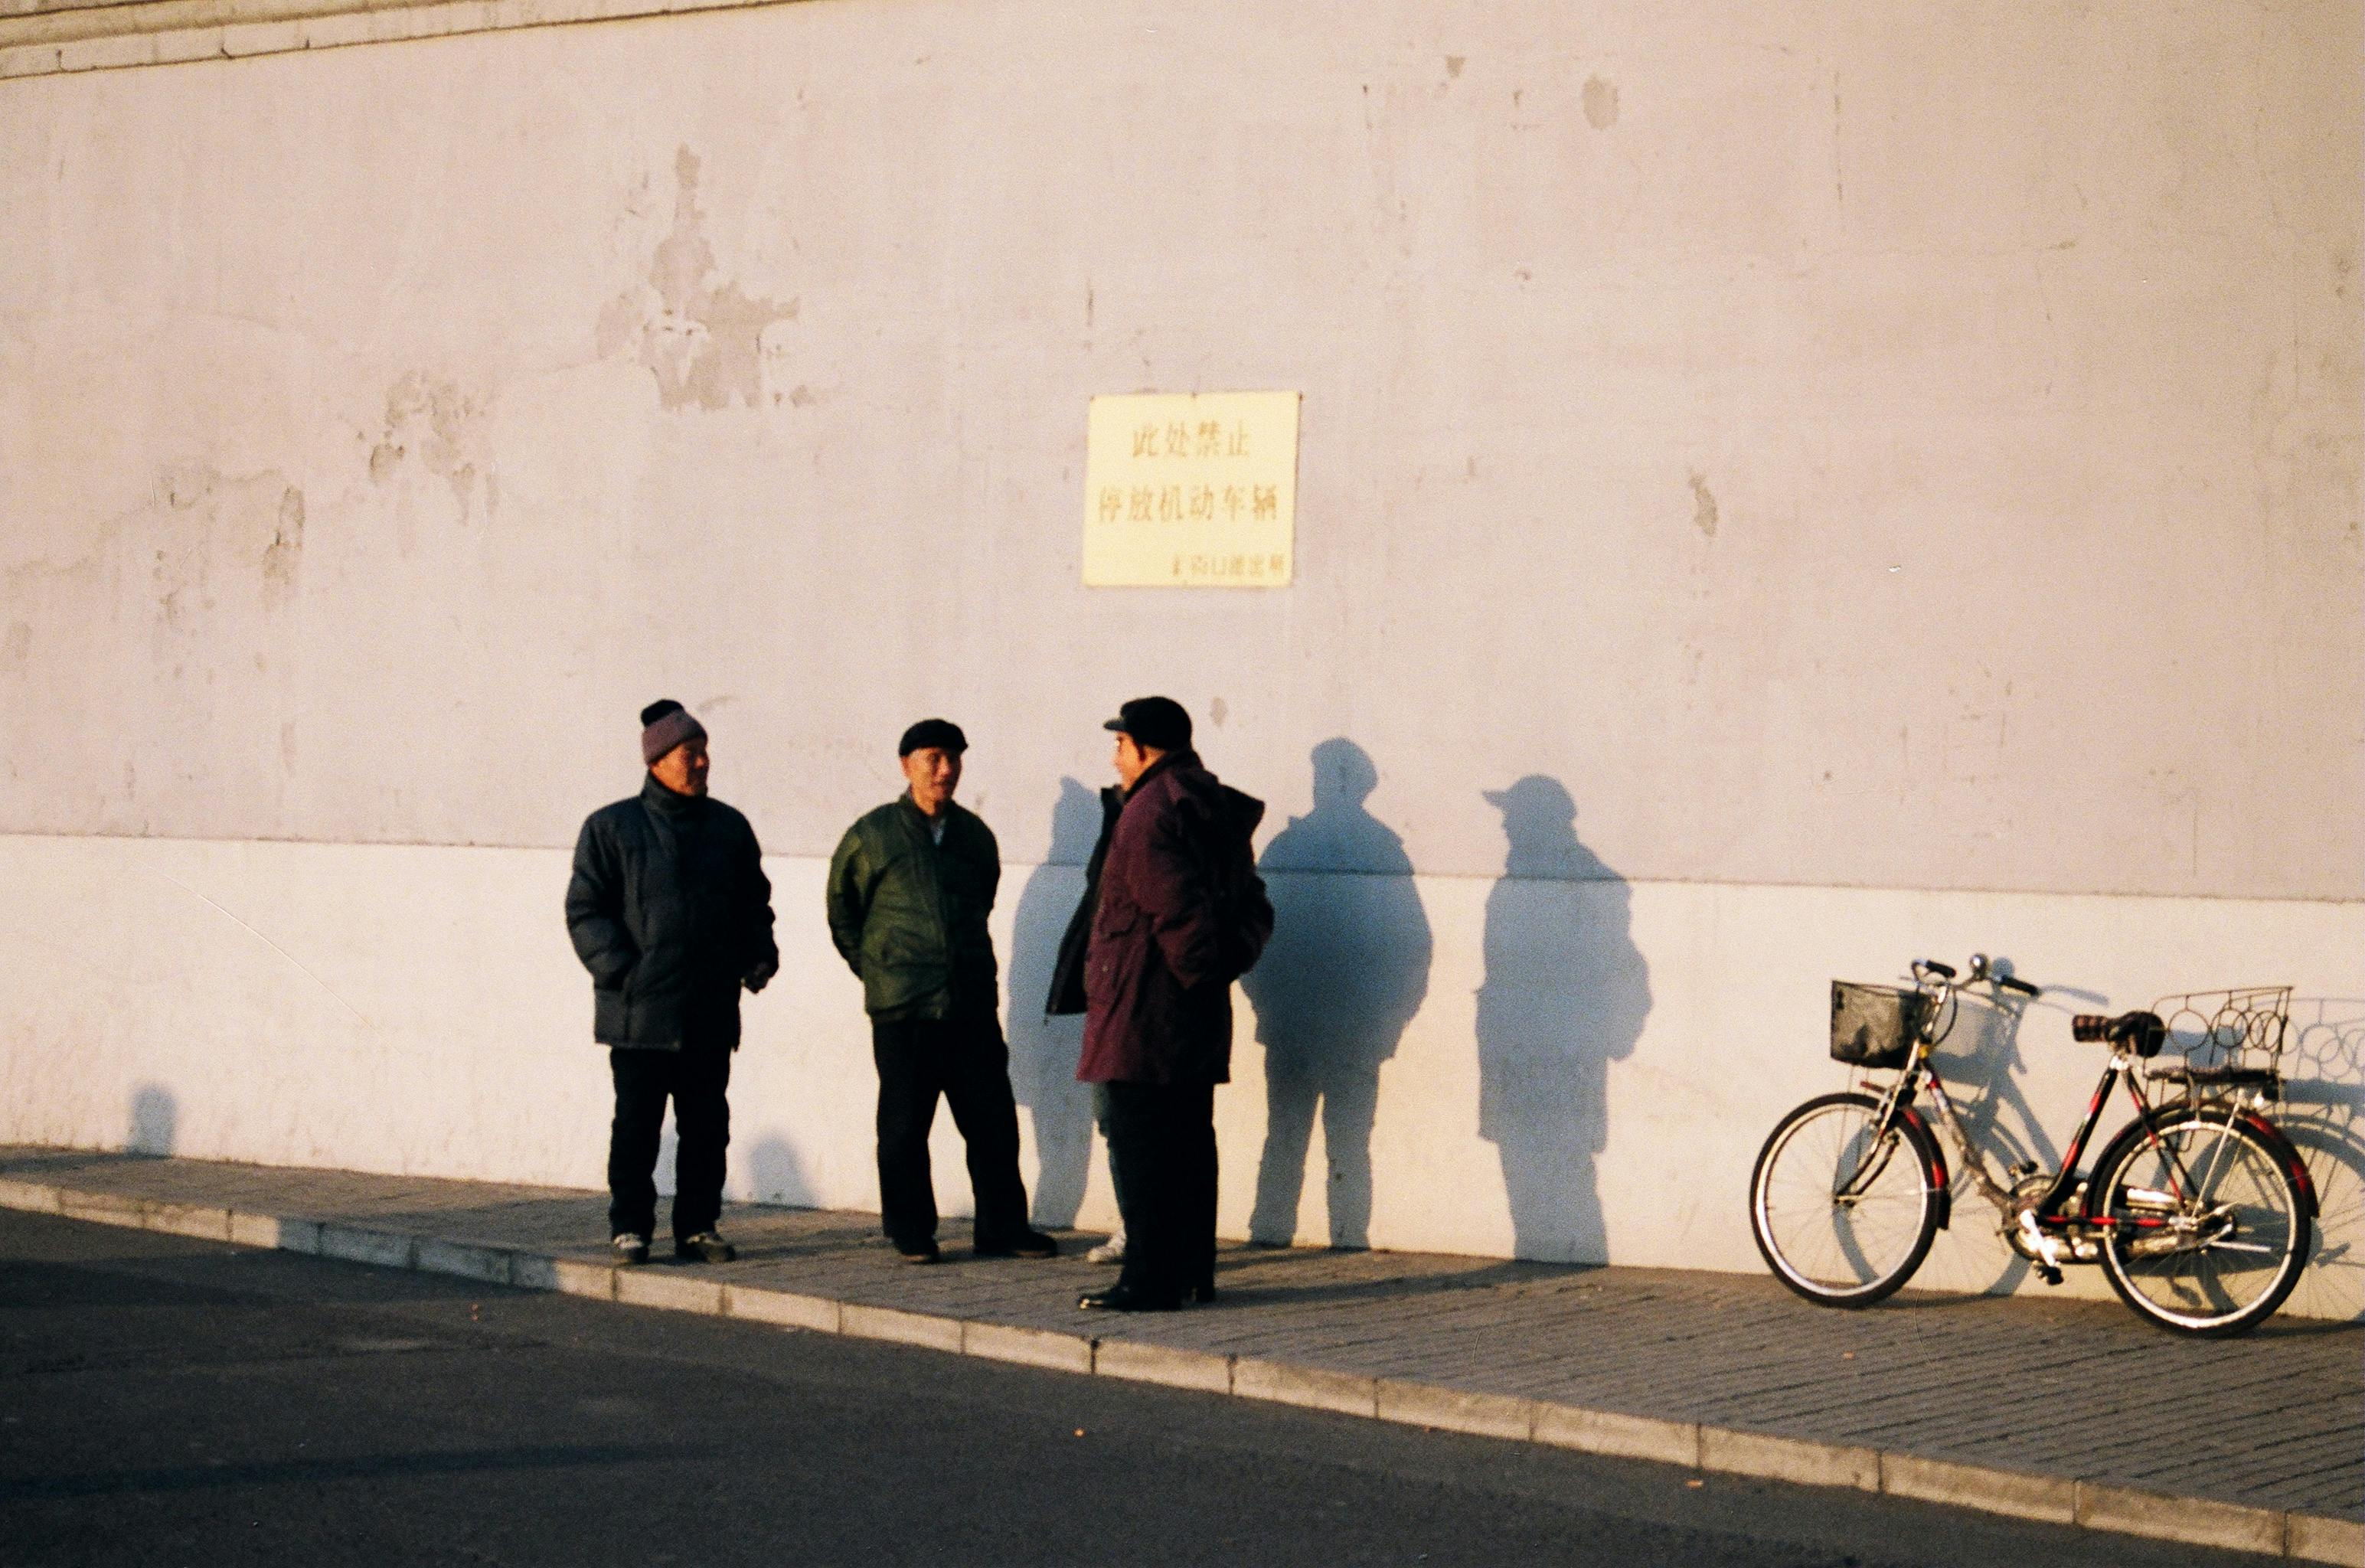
(1981, 970)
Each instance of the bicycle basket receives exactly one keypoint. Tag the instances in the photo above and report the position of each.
(1875, 1026)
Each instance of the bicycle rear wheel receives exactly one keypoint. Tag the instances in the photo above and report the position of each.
(2208, 1233)
(1844, 1213)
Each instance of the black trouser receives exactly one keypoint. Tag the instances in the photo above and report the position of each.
(965, 1061)
(694, 1078)
(1162, 1148)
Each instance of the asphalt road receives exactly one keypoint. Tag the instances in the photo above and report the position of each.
(166, 1402)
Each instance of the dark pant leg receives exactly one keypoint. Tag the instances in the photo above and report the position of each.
(977, 1088)
(702, 1120)
(910, 1060)
(1143, 1147)
(1101, 1120)
(1195, 1135)
(644, 1078)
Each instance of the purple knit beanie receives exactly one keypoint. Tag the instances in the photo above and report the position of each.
(664, 724)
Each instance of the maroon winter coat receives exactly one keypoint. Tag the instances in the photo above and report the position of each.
(1157, 1007)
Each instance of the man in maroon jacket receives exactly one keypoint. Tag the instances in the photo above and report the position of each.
(1181, 914)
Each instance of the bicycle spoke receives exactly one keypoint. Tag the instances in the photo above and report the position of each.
(1843, 1207)
(2232, 1241)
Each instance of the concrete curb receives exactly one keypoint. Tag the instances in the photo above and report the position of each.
(2309, 1538)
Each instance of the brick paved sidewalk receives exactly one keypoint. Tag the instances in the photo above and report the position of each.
(2070, 1411)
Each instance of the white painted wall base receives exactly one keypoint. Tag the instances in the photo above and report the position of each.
(1588, 1074)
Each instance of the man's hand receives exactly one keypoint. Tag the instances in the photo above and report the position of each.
(761, 975)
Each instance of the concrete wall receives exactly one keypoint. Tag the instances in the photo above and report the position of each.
(1884, 480)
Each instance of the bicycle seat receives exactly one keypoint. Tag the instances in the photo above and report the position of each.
(2218, 1076)
(2143, 1031)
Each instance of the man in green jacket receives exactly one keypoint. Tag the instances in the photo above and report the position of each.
(910, 889)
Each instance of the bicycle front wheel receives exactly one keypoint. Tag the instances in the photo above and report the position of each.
(2207, 1231)
(1843, 1212)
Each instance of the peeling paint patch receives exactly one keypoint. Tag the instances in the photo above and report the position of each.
(703, 337)
(1600, 103)
(1703, 506)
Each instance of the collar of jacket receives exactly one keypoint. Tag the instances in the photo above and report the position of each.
(1167, 764)
(657, 797)
(911, 809)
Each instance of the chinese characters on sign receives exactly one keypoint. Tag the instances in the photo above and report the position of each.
(1191, 489)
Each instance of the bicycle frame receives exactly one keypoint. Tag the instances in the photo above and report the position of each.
(2058, 1211)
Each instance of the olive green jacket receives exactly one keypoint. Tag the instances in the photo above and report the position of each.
(909, 914)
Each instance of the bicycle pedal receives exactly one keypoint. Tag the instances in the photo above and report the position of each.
(2048, 1273)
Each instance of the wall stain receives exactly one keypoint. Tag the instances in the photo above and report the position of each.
(20, 642)
(1600, 103)
(1703, 505)
(431, 420)
(704, 338)
(285, 554)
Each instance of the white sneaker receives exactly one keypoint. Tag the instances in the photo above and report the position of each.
(1109, 1251)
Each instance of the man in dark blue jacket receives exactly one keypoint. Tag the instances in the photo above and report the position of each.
(671, 913)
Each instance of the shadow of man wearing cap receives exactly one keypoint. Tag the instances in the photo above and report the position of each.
(1565, 995)
(1347, 968)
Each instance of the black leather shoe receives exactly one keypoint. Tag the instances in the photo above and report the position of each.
(705, 1247)
(925, 1252)
(1125, 1298)
(1025, 1244)
(1204, 1293)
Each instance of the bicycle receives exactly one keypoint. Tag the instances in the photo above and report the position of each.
(2200, 1212)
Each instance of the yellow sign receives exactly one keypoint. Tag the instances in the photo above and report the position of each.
(1191, 490)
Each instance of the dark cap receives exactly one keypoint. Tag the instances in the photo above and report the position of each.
(1157, 723)
(941, 733)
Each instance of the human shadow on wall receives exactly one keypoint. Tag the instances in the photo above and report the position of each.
(777, 1175)
(1346, 969)
(154, 1123)
(1565, 995)
(1044, 1049)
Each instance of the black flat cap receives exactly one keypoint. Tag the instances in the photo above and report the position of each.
(1157, 723)
(941, 733)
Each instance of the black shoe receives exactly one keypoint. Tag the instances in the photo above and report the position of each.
(1125, 1298)
(1025, 1244)
(923, 1253)
(629, 1248)
(705, 1247)
(1204, 1291)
